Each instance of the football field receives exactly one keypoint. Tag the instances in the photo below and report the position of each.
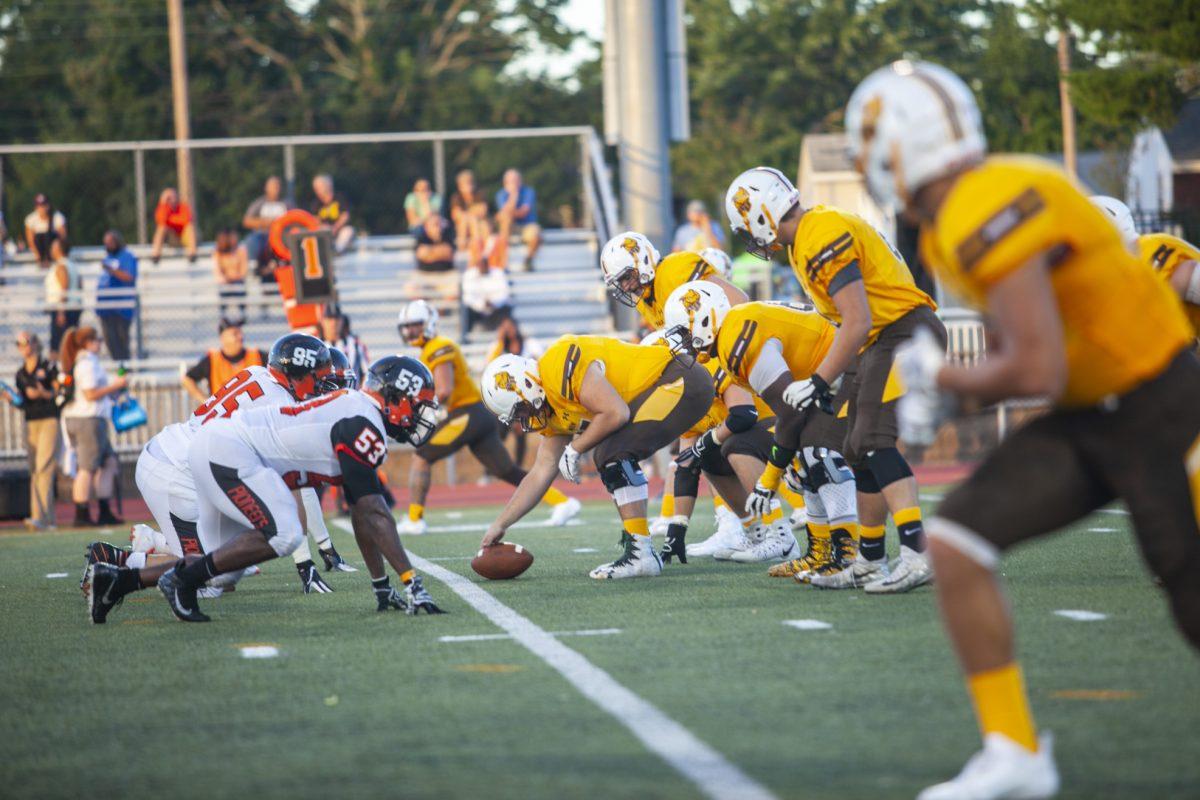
(712, 679)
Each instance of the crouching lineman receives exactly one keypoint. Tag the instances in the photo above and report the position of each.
(624, 401)
(859, 281)
(465, 421)
(245, 466)
(774, 351)
(1015, 238)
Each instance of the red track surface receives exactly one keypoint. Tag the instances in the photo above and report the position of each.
(493, 493)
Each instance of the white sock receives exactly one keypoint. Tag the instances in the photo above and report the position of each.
(316, 519)
(302, 553)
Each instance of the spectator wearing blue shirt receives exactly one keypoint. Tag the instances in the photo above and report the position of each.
(699, 231)
(516, 209)
(116, 295)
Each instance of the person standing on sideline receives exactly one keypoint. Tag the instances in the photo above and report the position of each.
(64, 294)
(35, 384)
(220, 364)
(116, 294)
(86, 415)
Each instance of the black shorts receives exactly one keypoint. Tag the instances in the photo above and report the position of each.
(812, 427)
(667, 410)
(870, 390)
(465, 426)
(1061, 467)
(755, 443)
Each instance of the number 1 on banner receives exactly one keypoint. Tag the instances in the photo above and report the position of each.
(313, 268)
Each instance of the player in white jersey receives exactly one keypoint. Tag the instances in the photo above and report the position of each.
(246, 465)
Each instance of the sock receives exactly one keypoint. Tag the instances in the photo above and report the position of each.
(302, 554)
(136, 560)
(315, 518)
(796, 501)
(819, 529)
(406, 576)
(197, 573)
(416, 512)
(381, 584)
(1002, 706)
(747, 522)
(128, 580)
(848, 528)
(871, 543)
(908, 525)
(668, 506)
(301, 566)
(552, 497)
(774, 515)
(636, 526)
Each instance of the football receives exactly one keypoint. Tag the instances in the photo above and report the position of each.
(502, 561)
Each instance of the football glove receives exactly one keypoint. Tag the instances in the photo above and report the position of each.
(811, 392)
(568, 464)
(794, 476)
(387, 598)
(759, 501)
(923, 407)
(419, 599)
(675, 545)
(696, 451)
(919, 360)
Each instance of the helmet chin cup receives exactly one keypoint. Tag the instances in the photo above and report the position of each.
(755, 247)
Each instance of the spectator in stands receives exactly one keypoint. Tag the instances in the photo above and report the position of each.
(334, 212)
(221, 363)
(230, 265)
(116, 294)
(335, 332)
(35, 384)
(64, 294)
(435, 245)
(486, 297)
(471, 215)
(420, 204)
(43, 226)
(516, 211)
(173, 225)
(86, 418)
(266, 208)
(699, 231)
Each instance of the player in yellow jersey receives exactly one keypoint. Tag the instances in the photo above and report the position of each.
(860, 283)
(767, 348)
(466, 422)
(621, 401)
(1070, 307)
(1174, 259)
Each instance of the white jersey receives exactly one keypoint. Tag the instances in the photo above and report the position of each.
(335, 439)
(253, 387)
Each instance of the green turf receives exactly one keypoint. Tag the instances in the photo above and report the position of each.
(361, 704)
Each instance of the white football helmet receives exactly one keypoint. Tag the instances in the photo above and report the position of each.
(418, 312)
(910, 123)
(719, 260)
(755, 203)
(692, 318)
(628, 262)
(512, 390)
(1119, 213)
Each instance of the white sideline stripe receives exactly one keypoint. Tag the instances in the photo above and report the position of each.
(807, 624)
(483, 526)
(708, 770)
(1081, 616)
(56, 574)
(492, 637)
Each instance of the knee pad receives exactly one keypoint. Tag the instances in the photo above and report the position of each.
(888, 466)
(840, 501)
(865, 481)
(625, 481)
(284, 542)
(687, 481)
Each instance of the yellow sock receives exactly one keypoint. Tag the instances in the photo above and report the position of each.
(849, 527)
(870, 542)
(820, 530)
(718, 502)
(1002, 706)
(415, 512)
(774, 515)
(553, 497)
(668, 505)
(908, 526)
(796, 501)
(636, 526)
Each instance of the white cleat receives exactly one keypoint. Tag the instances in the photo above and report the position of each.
(778, 544)
(562, 513)
(912, 569)
(798, 519)
(1002, 770)
(723, 516)
(144, 539)
(744, 541)
(659, 525)
(413, 527)
(640, 560)
(860, 572)
(728, 536)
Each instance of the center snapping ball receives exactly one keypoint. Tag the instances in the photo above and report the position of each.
(502, 561)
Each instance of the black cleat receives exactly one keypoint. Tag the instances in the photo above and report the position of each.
(310, 579)
(674, 546)
(100, 589)
(419, 599)
(102, 553)
(387, 599)
(181, 599)
(334, 561)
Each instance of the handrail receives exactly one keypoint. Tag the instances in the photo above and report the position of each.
(606, 216)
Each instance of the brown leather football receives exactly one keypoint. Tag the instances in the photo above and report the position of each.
(502, 561)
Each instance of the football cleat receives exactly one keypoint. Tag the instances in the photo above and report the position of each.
(860, 572)
(799, 518)
(310, 579)
(144, 539)
(1002, 770)
(181, 599)
(820, 551)
(638, 561)
(212, 592)
(564, 512)
(912, 569)
(334, 561)
(100, 589)
(659, 525)
(414, 527)
(843, 549)
(419, 599)
(727, 534)
(777, 543)
(744, 540)
(101, 553)
(389, 598)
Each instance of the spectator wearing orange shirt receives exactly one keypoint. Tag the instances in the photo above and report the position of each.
(173, 225)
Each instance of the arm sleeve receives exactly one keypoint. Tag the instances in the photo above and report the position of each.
(769, 366)
(202, 369)
(360, 449)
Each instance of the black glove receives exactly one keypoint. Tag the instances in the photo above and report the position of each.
(696, 451)
(674, 545)
(419, 599)
(387, 598)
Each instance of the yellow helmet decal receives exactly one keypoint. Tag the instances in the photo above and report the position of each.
(630, 245)
(506, 381)
(741, 201)
(691, 300)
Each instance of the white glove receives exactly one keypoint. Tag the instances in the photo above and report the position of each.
(759, 501)
(811, 391)
(568, 464)
(922, 407)
(441, 414)
(919, 360)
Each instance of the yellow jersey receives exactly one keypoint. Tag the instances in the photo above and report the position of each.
(440, 350)
(672, 272)
(630, 368)
(1165, 253)
(833, 247)
(804, 337)
(1003, 213)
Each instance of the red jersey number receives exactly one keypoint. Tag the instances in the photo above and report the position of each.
(227, 399)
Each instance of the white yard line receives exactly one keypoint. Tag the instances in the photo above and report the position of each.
(493, 637)
(1080, 615)
(712, 774)
(463, 527)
